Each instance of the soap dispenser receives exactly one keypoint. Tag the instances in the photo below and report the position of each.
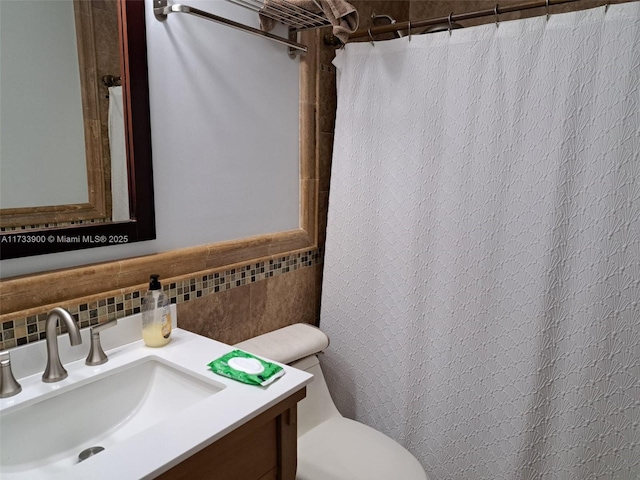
(156, 315)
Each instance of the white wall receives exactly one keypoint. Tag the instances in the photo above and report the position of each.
(42, 153)
(224, 120)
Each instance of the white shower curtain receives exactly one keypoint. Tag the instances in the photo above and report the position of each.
(482, 269)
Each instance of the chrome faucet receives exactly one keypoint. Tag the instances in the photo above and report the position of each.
(8, 384)
(96, 353)
(55, 371)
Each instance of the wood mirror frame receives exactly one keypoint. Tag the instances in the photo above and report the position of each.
(133, 50)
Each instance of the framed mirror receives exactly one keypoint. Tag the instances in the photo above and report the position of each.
(37, 226)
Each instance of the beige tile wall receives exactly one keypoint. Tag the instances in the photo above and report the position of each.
(251, 310)
(421, 9)
(403, 10)
(228, 303)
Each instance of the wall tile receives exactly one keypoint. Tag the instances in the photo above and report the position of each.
(325, 153)
(224, 317)
(426, 9)
(307, 140)
(214, 302)
(327, 98)
(284, 300)
(323, 208)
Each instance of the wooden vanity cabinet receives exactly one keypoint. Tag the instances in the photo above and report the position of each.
(264, 448)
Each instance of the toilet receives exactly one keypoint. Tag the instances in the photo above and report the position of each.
(331, 447)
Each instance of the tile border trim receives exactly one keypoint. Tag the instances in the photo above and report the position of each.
(27, 329)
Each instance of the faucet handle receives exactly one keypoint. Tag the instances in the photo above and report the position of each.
(8, 383)
(96, 354)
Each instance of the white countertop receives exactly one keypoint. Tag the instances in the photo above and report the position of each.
(179, 434)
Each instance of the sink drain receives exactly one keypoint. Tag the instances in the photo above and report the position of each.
(89, 452)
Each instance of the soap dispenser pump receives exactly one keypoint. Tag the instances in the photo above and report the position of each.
(156, 315)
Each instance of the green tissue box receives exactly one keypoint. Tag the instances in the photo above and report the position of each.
(246, 368)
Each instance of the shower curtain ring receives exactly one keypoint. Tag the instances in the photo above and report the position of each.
(547, 2)
(371, 37)
(450, 27)
(495, 11)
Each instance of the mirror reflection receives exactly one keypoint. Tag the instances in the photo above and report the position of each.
(75, 151)
(62, 148)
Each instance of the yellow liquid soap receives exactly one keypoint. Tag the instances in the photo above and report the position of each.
(153, 337)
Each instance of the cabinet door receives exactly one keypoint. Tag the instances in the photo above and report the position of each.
(265, 448)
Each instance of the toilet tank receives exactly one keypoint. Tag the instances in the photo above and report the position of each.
(288, 344)
(297, 345)
(317, 407)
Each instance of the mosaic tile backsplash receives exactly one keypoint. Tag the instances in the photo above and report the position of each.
(21, 331)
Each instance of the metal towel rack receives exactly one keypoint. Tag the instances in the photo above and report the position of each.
(295, 17)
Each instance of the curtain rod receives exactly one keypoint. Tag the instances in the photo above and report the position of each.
(457, 17)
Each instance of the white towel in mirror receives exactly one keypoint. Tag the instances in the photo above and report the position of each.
(117, 146)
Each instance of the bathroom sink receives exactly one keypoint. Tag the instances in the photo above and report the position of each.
(51, 431)
(149, 408)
